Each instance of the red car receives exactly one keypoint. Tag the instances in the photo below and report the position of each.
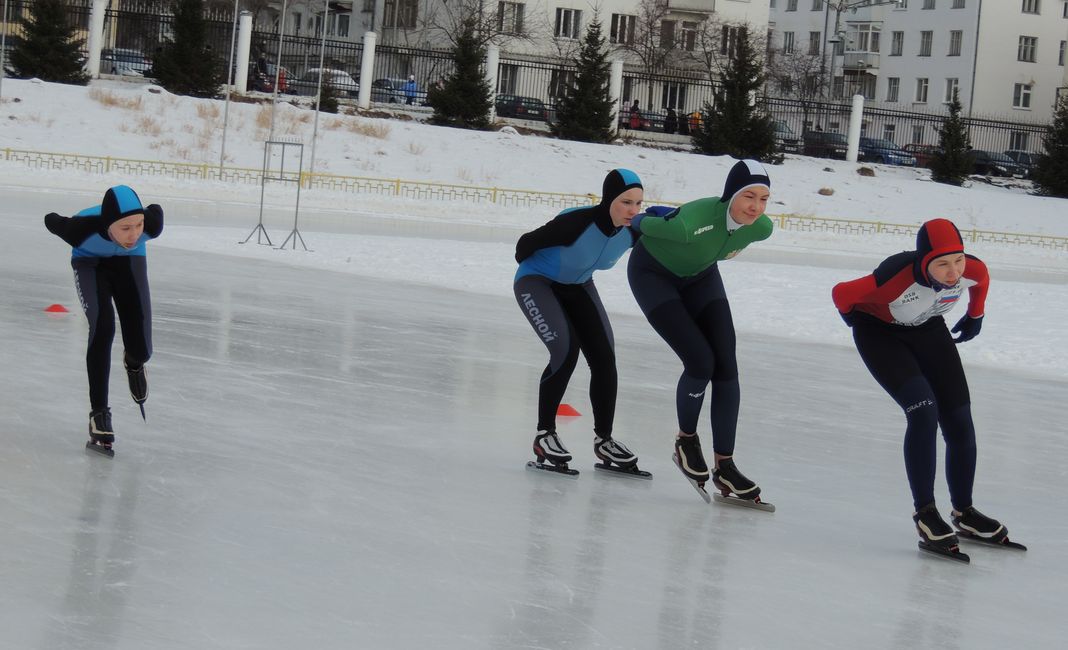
(923, 153)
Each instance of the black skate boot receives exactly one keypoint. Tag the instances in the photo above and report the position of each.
(730, 481)
(735, 489)
(615, 457)
(936, 536)
(974, 526)
(138, 378)
(101, 435)
(691, 462)
(551, 453)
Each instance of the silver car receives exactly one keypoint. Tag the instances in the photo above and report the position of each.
(308, 82)
(125, 62)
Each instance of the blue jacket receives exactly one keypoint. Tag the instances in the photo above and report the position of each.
(572, 246)
(86, 232)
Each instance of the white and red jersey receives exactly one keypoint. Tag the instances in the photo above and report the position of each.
(896, 293)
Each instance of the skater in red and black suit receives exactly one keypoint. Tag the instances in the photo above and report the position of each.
(110, 267)
(896, 316)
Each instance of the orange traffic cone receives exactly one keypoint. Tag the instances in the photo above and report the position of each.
(567, 410)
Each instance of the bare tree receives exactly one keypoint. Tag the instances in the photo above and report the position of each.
(796, 76)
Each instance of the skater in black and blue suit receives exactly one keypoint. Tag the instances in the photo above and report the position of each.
(110, 268)
(554, 288)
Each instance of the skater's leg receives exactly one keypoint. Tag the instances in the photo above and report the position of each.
(546, 316)
(594, 338)
(133, 303)
(717, 326)
(942, 367)
(94, 290)
(893, 364)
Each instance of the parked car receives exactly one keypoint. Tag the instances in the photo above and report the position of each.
(126, 62)
(308, 82)
(993, 163)
(923, 153)
(1025, 159)
(879, 150)
(825, 144)
(391, 91)
(785, 137)
(522, 108)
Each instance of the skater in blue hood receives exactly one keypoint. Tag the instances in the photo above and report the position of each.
(110, 267)
(554, 288)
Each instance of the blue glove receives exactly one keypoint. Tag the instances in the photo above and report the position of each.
(848, 318)
(659, 210)
(968, 327)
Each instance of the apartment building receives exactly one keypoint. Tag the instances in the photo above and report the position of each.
(524, 27)
(1005, 58)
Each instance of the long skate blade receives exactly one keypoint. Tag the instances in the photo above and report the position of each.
(948, 553)
(103, 450)
(552, 469)
(697, 486)
(142, 405)
(755, 504)
(626, 472)
(1003, 543)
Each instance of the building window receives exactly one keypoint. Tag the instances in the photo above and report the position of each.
(897, 43)
(1060, 57)
(958, 4)
(917, 134)
(401, 14)
(863, 37)
(622, 29)
(560, 81)
(952, 85)
(791, 5)
(296, 21)
(921, 90)
(1027, 48)
(889, 131)
(510, 17)
(1064, 11)
(866, 86)
(817, 5)
(928, 4)
(507, 78)
(343, 25)
(926, 39)
(787, 42)
(1021, 96)
(893, 87)
(1030, 7)
(1018, 140)
(814, 42)
(674, 95)
(689, 36)
(728, 42)
(956, 37)
(567, 23)
(667, 34)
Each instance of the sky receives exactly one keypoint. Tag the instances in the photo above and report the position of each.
(334, 449)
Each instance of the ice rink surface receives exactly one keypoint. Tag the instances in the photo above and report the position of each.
(335, 462)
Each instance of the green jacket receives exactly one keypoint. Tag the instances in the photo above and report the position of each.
(696, 236)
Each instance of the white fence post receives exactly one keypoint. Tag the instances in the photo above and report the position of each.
(615, 89)
(367, 69)
(96, 37)
(493, 62)
(855, 118)
(244, 43)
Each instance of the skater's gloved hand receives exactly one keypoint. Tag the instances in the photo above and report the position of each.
(968, 327)
(153, 220)
(72, 231)
(849, 318)
(659, 210)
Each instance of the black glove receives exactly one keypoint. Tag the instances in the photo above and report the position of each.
(968, 327)
(72, 231)
(850, 318)
(153, 220)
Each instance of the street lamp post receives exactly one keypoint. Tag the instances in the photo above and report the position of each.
(840, 6)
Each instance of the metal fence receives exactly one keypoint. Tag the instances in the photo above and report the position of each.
(505, 197)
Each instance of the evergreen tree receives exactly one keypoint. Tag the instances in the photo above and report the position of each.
(734, 125)
(952, 163)
(464, 99)
(1051, 172)
(584, 112)
(48, 49)
(188, 65)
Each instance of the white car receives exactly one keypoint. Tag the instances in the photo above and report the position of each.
(308, 82)
(126, 62)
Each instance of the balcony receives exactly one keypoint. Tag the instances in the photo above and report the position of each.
(861, 61)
